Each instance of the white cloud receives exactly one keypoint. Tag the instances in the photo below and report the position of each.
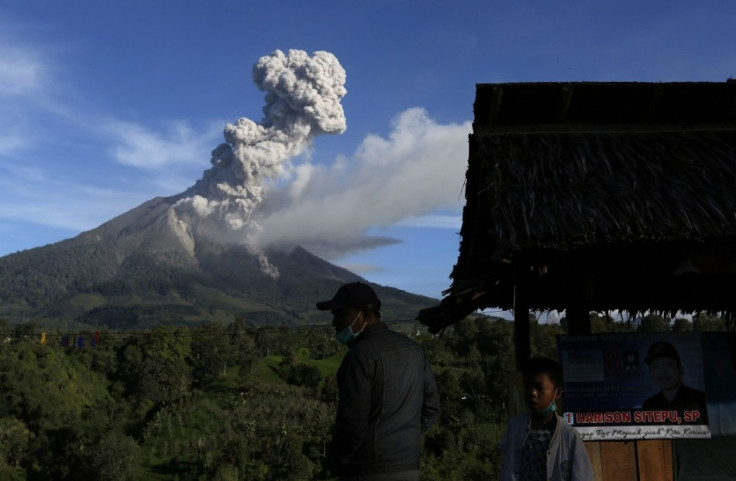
(12, 142)
(142, 148)
(67, 205)
(361, 269)
(435, 220)
(416, 171)
(31, 192)
(21, 71)
(21, 90)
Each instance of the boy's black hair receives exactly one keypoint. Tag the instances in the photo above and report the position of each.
(544, 365)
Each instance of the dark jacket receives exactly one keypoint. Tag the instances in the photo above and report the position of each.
(686, 399)
(388, 396)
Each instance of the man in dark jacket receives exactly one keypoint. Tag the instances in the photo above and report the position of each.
(666, 370)
(388, 395)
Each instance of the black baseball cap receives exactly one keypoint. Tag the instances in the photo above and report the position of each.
(662, 349)
(355, 294)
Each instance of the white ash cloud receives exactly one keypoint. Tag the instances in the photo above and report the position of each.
(302, 101)
(417, 170)
(256, 193)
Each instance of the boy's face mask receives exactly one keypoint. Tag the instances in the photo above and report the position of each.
(549, 409)
(346, 336)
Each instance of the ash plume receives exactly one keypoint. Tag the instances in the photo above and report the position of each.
(302, 101)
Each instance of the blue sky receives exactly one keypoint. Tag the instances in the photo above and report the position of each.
(105, 105)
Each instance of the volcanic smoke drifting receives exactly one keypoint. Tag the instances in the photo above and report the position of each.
(302, 101)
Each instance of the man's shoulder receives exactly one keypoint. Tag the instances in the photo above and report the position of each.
(692, 392)
(380, 338)
(380, 332)
(654, 402)
(691, 395)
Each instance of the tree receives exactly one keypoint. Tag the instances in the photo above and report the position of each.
(25, 330)
(242, 351)
(155, 367)
(4, 328)
(115, 457)
(654, 323)
(305, 375)
(682, 325)
(15, 448)
(211, 353)
(226, 472)
(544, 339)
(706, 321)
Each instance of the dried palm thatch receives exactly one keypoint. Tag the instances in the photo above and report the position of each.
(609, 196)
(575, 190)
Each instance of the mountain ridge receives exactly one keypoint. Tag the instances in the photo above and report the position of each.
(152, 265)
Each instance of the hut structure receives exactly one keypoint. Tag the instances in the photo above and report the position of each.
(598, 196)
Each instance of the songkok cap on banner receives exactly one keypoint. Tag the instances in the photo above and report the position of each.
(662, 349)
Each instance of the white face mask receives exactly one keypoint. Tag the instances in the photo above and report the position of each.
(346, 336)
(549, 409)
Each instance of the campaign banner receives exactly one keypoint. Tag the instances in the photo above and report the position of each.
(625, 386)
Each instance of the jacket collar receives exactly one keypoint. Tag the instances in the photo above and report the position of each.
(370, 331)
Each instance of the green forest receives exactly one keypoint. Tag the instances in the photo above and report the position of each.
(230, 402)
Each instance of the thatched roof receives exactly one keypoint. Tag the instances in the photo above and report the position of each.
(605, 195)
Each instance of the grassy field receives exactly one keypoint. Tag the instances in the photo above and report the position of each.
(268, 370)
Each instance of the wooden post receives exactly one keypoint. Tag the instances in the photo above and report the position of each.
(578, 319)
(654, 457)
(522, 329)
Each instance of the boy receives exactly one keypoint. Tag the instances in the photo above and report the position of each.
(540, 445)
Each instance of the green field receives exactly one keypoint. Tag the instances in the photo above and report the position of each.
(268, 370)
